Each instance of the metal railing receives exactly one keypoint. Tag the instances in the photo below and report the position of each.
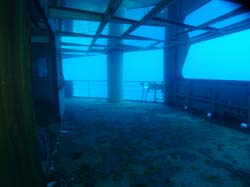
(90, 88)
(132, 90)
(143, 91)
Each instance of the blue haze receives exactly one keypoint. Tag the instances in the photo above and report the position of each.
(223, 58)
(90, 73)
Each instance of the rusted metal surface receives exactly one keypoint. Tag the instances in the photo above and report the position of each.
(19, 160)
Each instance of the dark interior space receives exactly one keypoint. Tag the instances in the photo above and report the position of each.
(124, 93)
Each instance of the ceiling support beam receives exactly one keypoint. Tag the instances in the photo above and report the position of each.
(206, 26)
(73, 34)
(158, 7)
(71, 13)
(131, 37)
(112, 7)
(149, 19)
(81, 51)
(81, 45)
(170, 22)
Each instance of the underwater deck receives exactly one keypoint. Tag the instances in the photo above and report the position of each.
(134, 144)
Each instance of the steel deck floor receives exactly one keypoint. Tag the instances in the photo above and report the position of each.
(147, 145)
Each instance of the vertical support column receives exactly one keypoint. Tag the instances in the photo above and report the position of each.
(18, 153)
(170, 74)
(248, 118)
(60, 79)
(55, 75)
(174, 57)
(115, 66)
(170, 61)
(115, 87)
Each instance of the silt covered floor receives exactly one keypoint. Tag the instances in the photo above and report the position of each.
(135, 144)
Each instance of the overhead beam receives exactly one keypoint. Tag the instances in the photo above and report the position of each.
(132, 48)
(81, 45)
(71, 13)
(108, 17)
(149, 19)
(112, 7)
(116, 19)
(158, 7)
(170, 22)
(206, 26)
(152, 45)
(73, 44)
(73, 34)
(208, 36)
(224, 17)
(73, 56)
(81, 51)
(231, 29)
(131, 37)
(74, 50)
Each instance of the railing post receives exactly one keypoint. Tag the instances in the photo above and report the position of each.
(248, 117)
(88, 88)
(212, 100)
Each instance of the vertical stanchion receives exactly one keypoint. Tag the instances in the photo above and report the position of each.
(88, 88)
(248, 117)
